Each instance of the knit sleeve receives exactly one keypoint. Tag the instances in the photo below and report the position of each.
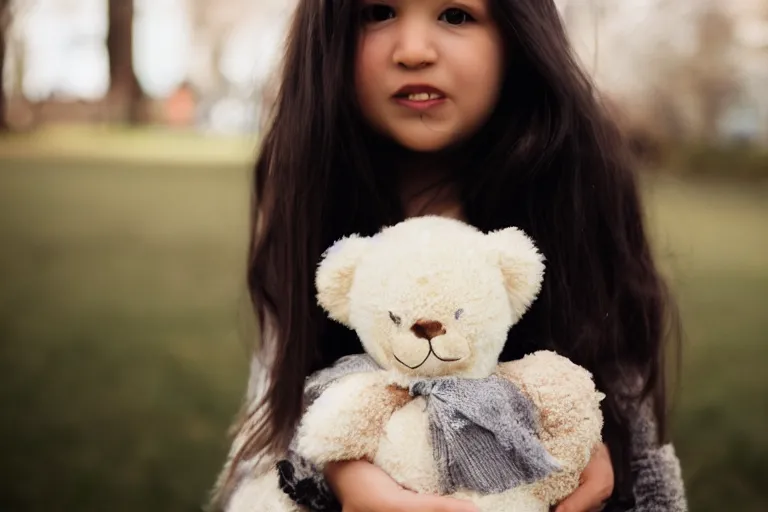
(656, 472)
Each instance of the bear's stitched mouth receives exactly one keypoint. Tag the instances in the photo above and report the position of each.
(431, 352)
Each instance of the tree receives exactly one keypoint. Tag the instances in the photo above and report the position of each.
(5, 22)
(125, 92)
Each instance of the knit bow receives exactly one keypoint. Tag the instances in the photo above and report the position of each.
(483, 434)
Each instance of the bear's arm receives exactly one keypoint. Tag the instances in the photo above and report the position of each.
(346, 421)
(570, 419)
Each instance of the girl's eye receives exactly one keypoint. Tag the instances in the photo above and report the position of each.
(456, 16)
(395, 319)
(377, 13)
(458, 313)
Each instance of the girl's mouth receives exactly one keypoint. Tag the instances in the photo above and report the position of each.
(419, 97)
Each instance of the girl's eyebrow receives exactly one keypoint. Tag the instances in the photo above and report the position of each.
(479, 6)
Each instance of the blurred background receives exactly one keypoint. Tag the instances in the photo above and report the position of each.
(127, 132)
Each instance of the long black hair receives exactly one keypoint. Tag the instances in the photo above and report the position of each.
(549, 161)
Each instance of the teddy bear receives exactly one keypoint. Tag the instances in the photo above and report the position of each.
(432, 300)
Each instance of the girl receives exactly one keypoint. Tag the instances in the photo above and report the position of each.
(475, 109)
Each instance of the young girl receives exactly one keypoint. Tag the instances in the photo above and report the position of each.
(473, 109)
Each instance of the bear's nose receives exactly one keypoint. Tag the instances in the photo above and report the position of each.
(427, 329)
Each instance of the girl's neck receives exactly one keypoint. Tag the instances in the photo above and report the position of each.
(427, 184)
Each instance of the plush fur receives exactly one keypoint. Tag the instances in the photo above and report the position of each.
(433, 297)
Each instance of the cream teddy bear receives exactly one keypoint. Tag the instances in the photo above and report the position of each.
(432, 300)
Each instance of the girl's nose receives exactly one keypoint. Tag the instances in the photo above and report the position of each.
(414, 49)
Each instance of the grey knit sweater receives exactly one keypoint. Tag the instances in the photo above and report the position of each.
(657, 481)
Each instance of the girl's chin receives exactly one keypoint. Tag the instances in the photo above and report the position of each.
(425, 142)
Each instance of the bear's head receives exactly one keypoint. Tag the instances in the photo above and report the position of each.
(431, 296)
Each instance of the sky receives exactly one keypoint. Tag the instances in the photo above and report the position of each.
(65, 51)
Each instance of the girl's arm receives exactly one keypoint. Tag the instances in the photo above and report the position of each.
(658, 487)
(364, 487)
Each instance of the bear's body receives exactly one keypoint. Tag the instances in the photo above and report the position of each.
(405, 451)
(342, 425)
(432, 300)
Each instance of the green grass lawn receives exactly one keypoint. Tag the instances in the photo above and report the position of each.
(123, 337)
(123, 343)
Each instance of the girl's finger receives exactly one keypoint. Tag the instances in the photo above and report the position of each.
(588, 497)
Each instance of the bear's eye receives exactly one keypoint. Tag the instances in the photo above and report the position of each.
(396, 319)
(458, 313)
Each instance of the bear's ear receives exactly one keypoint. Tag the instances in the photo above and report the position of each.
(521, 265)
(335, 275)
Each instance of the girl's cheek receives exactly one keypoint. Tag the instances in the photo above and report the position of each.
(368, 63)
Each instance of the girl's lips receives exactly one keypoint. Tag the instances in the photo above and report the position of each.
(419, 97)
(418, 89)
(420, 104)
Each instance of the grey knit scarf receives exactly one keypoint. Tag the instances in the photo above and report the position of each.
(483, 431)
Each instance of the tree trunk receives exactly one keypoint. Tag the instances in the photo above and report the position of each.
(5, 19)
(125, 92)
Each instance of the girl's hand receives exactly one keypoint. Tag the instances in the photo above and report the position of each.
(362, 487)
(596, 484)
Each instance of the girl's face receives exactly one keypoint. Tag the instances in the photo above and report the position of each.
(428, 72)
